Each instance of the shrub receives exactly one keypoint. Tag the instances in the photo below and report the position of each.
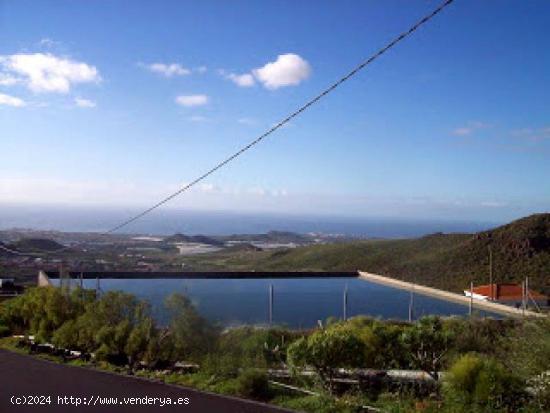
(541, 390)
(481, 383)
(463, 376)
(192, 335)
(4, 330)
(327, 350)
(253, 384)
(428, 342)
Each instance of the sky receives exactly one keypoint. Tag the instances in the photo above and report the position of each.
(120, 103)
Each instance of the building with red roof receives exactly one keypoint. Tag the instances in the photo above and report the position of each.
(510, 294)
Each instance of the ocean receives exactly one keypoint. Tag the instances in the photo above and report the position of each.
(167, 221)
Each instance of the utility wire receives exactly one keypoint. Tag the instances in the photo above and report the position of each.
(283, 122)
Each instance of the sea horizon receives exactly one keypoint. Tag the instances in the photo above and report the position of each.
(169, 221)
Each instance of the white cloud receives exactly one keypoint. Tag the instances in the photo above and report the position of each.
(470, 128)
(533, 135)
(168, 69)
(288, 70)
(121, 192)
(201, 69)
(462, 131)
(244, 80)
(192, 100)
(8, 80)
(11, 101)
(47, 42)
(247, 121)
(48, 73)
(84, 103)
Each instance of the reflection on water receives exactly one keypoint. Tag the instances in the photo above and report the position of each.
(298, 302)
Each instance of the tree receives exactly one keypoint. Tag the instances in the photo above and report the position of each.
(40, 311)
(427, 342)
(137, 345)
(325, 351)
(192, 335)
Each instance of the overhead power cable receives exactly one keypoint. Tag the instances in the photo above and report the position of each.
(285, 120)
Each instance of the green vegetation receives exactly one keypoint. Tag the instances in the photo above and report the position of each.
(326, 350)
(477, 383)
(253, 384)
(470, 365)
(35, 245)
(447, 261)
(428, 342)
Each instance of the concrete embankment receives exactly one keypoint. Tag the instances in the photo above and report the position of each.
(448, 296)
(201, 274)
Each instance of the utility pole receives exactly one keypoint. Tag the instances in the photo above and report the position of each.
(411, 305)
(492, 297)
(346, 302)
(471, 298)
(523, 298)
(270, 304)
(526, 293)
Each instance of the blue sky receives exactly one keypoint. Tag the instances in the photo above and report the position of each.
(118, 103)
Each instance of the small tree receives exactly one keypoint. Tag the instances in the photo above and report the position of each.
(327, 350)
(427, 342)
(137, 346)
(191, 334)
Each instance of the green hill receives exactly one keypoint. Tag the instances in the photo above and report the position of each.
(35, 245)
(448, 261)
(201, 239)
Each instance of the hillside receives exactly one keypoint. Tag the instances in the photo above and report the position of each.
(35, 245)
(448, 261)
(201, 239)
(280, 237)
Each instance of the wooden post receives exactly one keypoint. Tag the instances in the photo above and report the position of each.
(523, 298)
(270, 304)
(471, 298)
(81, 286)
(411, 305)
(345, 302)
(492, 295)
(526, 293)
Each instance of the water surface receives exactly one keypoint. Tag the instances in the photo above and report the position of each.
(298, 302)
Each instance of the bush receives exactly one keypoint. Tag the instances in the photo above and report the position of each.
(222, 366)
(4, 330)
(326, 350)
(427, 342)
(541, 389)
(481, 383)
(192, 335)
(253, 384)
(463, 376)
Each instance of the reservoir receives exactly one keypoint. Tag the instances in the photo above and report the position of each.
(297, 302)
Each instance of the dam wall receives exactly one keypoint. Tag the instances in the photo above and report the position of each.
(202, 274)
(449, 296)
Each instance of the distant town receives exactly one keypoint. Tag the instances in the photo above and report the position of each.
(27, 251)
